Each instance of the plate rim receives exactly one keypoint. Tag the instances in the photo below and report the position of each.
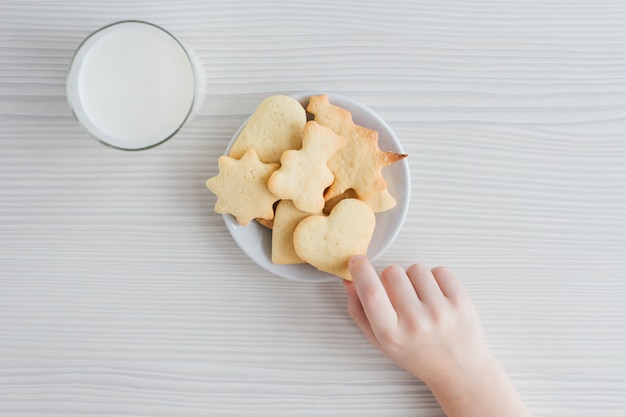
(312, 274)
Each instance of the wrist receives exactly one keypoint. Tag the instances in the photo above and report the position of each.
(460, 374)
(482, 391)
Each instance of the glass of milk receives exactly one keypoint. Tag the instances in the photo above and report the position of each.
(132, 85)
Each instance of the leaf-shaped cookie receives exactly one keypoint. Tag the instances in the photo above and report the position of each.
(358, 165)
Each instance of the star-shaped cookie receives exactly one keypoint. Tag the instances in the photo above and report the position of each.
(241, 187)
(358, 165)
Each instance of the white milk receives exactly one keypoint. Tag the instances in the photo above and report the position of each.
(132, 85)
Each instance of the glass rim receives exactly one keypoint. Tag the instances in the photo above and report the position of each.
(73, 62)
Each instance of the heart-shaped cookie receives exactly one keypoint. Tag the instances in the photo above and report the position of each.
(328, 242)
(276, 125)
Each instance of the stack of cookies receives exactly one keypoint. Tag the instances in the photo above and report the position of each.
(316, 183)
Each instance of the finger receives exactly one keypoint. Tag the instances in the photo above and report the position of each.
(355, 309)
(425, 284)
(400, 290)
(376, 304)
(450, 285)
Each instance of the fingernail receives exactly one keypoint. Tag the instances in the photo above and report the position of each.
(357, 258)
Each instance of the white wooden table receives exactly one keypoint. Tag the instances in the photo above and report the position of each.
(122, 293)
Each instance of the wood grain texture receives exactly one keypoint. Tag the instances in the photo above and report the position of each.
(122, 293)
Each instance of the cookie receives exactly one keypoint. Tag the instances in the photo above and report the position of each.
(358, 165)
(304, 175)
(380, 202)
(286, 218)
(276, 125)
(332, 202)
(241, 187)
(328, 242)
(267, 223)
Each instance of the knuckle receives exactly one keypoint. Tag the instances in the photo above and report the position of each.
(372, 296)
(420, 327)
(466, 307)
(353, 311)
(442, 318)
(389, 338)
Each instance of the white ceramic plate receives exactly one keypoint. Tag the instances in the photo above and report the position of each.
(256, 240)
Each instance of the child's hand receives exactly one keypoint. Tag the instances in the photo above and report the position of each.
(425, 321)
(422, 319)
